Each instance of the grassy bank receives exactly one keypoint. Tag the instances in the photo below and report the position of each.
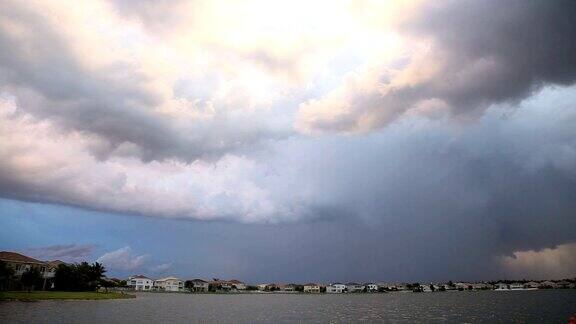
(60, 295)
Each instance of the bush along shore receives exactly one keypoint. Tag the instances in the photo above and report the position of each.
(61, 295)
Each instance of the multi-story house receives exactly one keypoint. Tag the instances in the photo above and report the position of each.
(169, 284)
(336, 288)
(140, 282)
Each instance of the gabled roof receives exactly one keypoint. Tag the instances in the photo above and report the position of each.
(199, 280)
(168, 278)
(235, 281)
(140, 277)
(17, 257)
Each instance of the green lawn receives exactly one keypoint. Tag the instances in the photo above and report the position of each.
(46, 295)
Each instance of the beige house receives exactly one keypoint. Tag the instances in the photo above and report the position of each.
(169, 284)
(21, 263)
(311, 288)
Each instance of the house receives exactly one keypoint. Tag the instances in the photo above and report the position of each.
(463, 286)
(336, 288)
(532, 285)
(199, 285)
(288, 287)
(548, 285)
(563, 284)
(353, 287)
(237, 284)
(21, 263)
(169, 284)
(371, 287)
(481, 286)
(140, 283)
(311, 288)
(262, 287)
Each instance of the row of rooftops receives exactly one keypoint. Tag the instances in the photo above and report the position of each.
(217, 281)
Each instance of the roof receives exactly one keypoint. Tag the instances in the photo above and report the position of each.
(235, 281)
(198, 280)
(311, 284)
(17, 257)
(140, 277)
(55, 263)
(168, 278)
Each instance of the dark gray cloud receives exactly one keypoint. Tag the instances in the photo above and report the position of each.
(479, 53)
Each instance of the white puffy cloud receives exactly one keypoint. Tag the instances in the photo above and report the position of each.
(122, 259)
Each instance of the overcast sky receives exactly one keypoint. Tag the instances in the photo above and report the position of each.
(291, 140)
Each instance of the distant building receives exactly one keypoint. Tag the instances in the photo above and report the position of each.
(353, 287)
(336, 288)
(532, 285)
(199, 285)
(311, 288)
(482, 286)
(169, 284)
(288, 287)
(548, 285)
(237, 284)
(262, 287)
(371, 287)
(140, 283)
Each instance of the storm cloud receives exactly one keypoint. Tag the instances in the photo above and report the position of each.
(442, 126)
(465, 56)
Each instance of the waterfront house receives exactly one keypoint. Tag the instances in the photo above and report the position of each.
(502, 286)
(531, 285)
(21, 263)
(311, 288)
(353, 287)
(262, 287)
(563, 284)
(463, 286)
(548, 285)
(336, 288)
(140, 283)
(289, 287)
(237, 284)
(371, 287)
(481, 286)
(169, 284)
(199, 285)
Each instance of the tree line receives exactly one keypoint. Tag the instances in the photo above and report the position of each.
(83, 276)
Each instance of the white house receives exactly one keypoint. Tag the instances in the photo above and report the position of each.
(140, 282)
(169, 284)
(371, 287)
(336, 288)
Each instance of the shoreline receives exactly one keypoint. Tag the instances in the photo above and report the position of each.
(34, 296)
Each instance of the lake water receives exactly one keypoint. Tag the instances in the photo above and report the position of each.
(540, 306)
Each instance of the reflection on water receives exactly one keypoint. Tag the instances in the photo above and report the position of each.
(483, 306)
